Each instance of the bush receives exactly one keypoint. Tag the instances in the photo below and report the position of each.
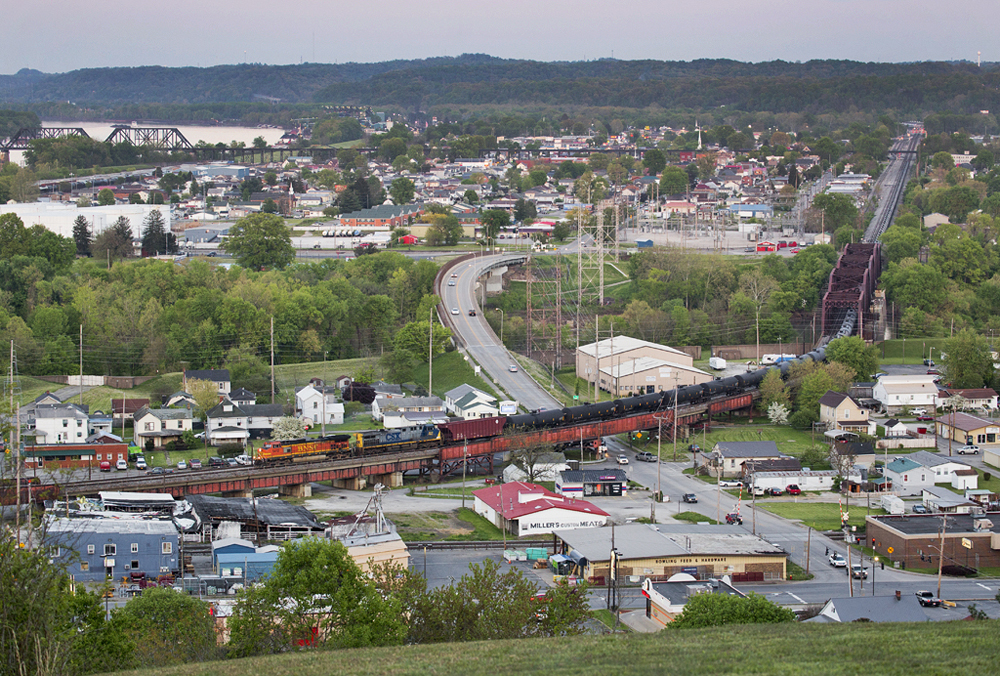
(987, 476)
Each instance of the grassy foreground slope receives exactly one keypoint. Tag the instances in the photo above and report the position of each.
(884, 649)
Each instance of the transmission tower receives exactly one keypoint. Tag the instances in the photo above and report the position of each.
(543, 275)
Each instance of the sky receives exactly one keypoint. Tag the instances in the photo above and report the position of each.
(62, 35)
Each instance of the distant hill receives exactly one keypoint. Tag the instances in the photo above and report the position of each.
(476, 79)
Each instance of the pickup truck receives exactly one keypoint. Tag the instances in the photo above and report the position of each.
(645, 456)
(928, 600)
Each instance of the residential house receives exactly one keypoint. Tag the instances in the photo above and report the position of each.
(406, 405)
(387, 390)
(100, 423)
(243, 397)
(896, 393)
(908, 477)
(895, 428)
(840, 412)
(319, 403)
(899, 608)
(261, 418)
(125, 409)
(227, 423)
(943, 501)
(465, 401)
(983, 399)
(179, 400)
(946, 470)
(59, 424)
(218, 376)
(727, 457)
(94, 550)
(161, 425)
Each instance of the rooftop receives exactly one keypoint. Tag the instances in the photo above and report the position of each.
(642, 541)
(619, 344)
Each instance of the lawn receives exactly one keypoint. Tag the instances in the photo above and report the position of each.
(788, 440)
(917, 349)
(693, 517)
(450, 370)
(906, 649)
(820, 515)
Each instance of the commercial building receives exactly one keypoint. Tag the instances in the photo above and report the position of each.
(647, 375)
(59, 216)
(613, 355)
(97, 549)
(914, 540)
(962, 429)
(666, 600)
(529, 509)
(592, 482)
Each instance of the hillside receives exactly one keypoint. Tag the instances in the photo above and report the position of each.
(774, 650)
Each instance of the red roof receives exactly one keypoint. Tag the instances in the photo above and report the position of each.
(520, 499)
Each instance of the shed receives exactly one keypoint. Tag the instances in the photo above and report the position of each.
(251, 566)
(230, 546)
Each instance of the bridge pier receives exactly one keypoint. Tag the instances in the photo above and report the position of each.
(357, 483)
(303, 490)
(494, 280)
(244, 493)
(390, 480)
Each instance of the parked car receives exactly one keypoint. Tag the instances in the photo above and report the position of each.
(182, 464)
(918, 411)
(140, 463)
(244, 459)
(859, 572)
(793, 489)
(161, 470)
(758, 490)
(730, 483)
(645, 456)
(231, 462)
(734, 519)
(933, 372)
(121, 465)
(971, 449)
(919, 508)
(690, 497)
(216, 462)
(105, 466)
(928, 600)
(928, 362)
(775, 491)
(837, 561)
(925, 418)
(621, 459)
(195, 463)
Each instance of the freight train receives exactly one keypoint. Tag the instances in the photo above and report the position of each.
(374, 442)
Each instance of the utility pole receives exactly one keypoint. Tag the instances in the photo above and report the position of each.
(272, 359)
(944, 527)
(81, 364)
(430, 352)
(677, 378)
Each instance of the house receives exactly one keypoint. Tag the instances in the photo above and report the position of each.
(99, 423)
(406, 405)
(896, 393)
(729, 456)
(898, 608)
(59, 424)
(89, 454)
(227, 423)
(123, 409)
(161, 425)
(261, 418)
(387, 390)
(465, 401)
(528, 509)
(243, 397)
(983, 398)
(179, 400)
(895, 428)
(218, 376)
(908, 477)
(962, 429)
(371, 540)
(97, 549)
(839, 411)
(319, 403)
(942, 501)
(666, 600)
(587, 483)
(398, 419)
(946, 470)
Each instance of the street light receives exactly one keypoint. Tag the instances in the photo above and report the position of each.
(501, 325)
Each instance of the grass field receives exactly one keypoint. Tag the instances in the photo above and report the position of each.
(820, 515)
(693, 517)
(916, 350)
(788, 440)
(775, 650)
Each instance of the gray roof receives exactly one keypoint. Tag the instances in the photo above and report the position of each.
(593, 475)
(242, 393)
(112, 526)
(641, 541)
(410, 401)
(473, 398)
(59, 411)
(219, 410)
(876, 609)
(263, 410)
(748, 449)
(164, 413)
(464, 390)
(928, 459)
(266, 511)
(930, 524)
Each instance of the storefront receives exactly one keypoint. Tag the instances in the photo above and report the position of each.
(592, 483)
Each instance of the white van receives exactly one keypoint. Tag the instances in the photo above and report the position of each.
(121, 465)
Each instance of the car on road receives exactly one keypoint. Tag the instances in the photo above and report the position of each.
(140, 463)
(512, 368)
(730, 483)
(859, 572)
(928, 362)
(212, 254)
(971, 449)
(472, 313)
(645, 456)
(918, 411)
(837, 561)
(920, 508)
(928, 600)
(454, 275)
(451, 282)
(454, 311)
(690, 497)
(925, 418)
(794, 251)
(734, 518)
(622, 459)
(316, 246)
(182, 464)
(793, 489)
(748, 249)
(195, 463)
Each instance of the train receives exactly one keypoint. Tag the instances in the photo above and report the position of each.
(375, 442)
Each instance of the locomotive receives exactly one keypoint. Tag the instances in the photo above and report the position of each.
(373, 442)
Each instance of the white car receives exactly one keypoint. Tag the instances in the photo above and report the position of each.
(621, 460)
(918, 411)
(512, 368)
(181, 464)
(121, 465)
(971, 449)
(451, 282)
(454, 310)
(728, 483)
(837, 561)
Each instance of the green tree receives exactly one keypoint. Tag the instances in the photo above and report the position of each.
(674, 181)
(414, 339)
(839, 210)
(654, 161)
(317, 594)
(899, 243)
(401, 190)
(269, 206)
(154, 234)
(773, 390)
(115, 243)
(851, 351)
(561, 231)
(24, 186)
(590, 188)
(716, 610)
(259, 143)
(15, 239)
(942, 160)
(271, 178)
(260, 240)
(493, 221)
(105, 198)
(170, 628)
(524, 210)
(968, 360)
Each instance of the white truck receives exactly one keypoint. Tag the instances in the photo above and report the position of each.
(717, 363)
(893, 505)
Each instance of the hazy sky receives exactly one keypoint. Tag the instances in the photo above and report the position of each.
(62, 35)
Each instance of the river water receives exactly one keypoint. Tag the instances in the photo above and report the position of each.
(100, 131)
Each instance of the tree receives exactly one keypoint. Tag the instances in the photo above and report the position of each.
(773, 390)
(269, 206)
(271, 178)
(414, 339)
(401, 190)
(674, 181)
(561, 231)
(968, 360)
(494, 220)
(716, 610)
(757, 288)
(115, 243)
(524, 210)
(839, 210)
(170, 628)
(105, 198)
(24, 186)
(590, 188)
(259, 143)
(154, 234)
(777, 413)
(315, 596)
(942, 160)
(15, 239)
(851, 351)
(260, 240)
(654, 161)
(287, 427)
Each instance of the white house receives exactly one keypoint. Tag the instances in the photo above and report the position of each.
(528, 509)
(898, 392)
(984, 398)
(942, 500)
(227, 423)
(60, 424)
(218, 376)
(946, 470)
(162, 425)
(895, 428)
(406, 405)
(908, 477)
(309, 403)
(465, 401)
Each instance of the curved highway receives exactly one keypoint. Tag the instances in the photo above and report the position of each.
(480, 341)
